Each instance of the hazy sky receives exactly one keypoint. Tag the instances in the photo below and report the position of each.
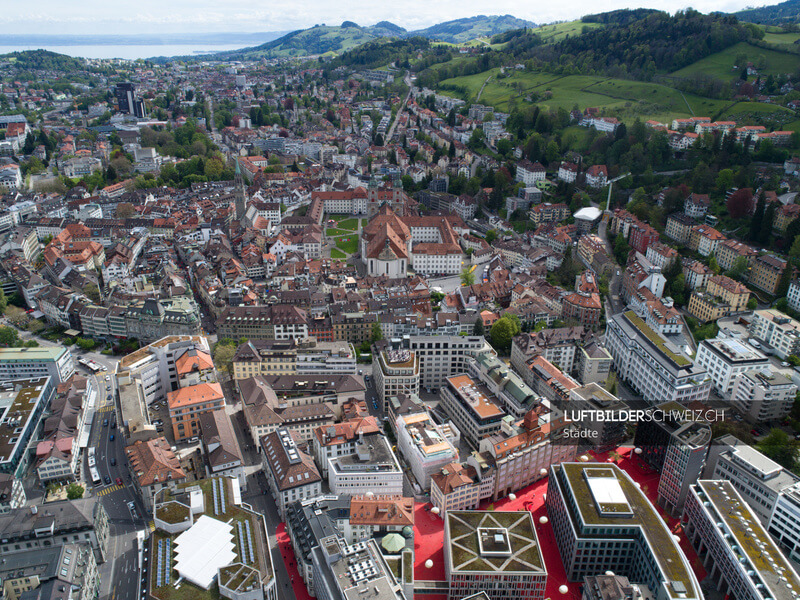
(159, 16)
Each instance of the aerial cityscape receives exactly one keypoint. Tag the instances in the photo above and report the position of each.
(483, 307)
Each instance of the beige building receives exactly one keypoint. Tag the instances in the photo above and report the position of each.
(288, 357)
(766, 273)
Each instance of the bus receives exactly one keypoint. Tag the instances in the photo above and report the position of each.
(89, 364)
(95, 475)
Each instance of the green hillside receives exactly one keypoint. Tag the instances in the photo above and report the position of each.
(785, 12)
(464, 30)
(720, 64)
(316, 40)
(625, 99)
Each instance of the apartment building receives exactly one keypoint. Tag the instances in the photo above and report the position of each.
(291, 473)
(373, 467)
(472, 408)
(221, 450)
(592, 397)
(424, 445)
(653, 365)
(558, 346)
(725, 358)
(276, 322)
(187, 404)
(456, 487)
(593, 364)
(778, 331)
(340, 439)
(301, 407)
(288, 357)
(766, 272)
(154, 467)
(764, 395)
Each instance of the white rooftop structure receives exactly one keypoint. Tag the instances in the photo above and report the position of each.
(202, 549)
(607, 493)
(589, 213)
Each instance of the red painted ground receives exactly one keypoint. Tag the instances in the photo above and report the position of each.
(429, 528)
(299, 587)
(429, 533)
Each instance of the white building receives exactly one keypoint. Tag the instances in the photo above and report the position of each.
(776, 330)
(441, 356)
(424, 446)
(653, 365)
(740, 557)
(784, 523)
(372, 468)
(529, 173)
(763, 395)
(340, 439)
(725, 358)
(793, 295)
(756, 477)
(396, 371)
(10, 178)
(30, 363)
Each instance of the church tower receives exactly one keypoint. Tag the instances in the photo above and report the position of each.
(240, 193)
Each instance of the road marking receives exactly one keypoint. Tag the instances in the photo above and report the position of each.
(110, 489)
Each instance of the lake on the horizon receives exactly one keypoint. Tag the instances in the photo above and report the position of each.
(127, 51)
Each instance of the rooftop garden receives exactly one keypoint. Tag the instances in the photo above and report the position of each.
(671, 560)
(657, 340)
(172, 512)
(748, 532)
(464, 546)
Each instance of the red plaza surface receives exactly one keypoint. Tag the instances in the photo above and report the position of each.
(429, 532)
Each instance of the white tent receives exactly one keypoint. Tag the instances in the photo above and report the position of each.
(202, 549)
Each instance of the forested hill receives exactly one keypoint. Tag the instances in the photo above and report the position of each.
(779, 14)
(44, 59)
(655, 43)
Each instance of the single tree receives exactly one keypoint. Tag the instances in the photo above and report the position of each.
(740, 202)
(467, 277)
(478, 329)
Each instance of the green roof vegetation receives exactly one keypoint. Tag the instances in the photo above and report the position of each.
(172, 512)
(671, 560)
(737, 516)
(238, 572)
(464, 547)
(659, 341)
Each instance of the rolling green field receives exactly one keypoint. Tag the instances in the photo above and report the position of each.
(720, 65)
(759, 113)
(781, 38)
(623, 98)
(556, 32)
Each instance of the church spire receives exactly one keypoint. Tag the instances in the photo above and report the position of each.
(240, 193)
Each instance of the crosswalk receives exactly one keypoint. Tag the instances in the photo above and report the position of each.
(109, 489)
(152, 525)
(105, 409)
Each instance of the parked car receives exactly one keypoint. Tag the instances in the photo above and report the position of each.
(111, 438)
(105, 422)
(118, 481)
(113, 462)
(107, 479)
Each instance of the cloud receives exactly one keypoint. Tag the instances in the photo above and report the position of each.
(149, 16)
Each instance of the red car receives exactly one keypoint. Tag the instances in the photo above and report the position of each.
(118, 481)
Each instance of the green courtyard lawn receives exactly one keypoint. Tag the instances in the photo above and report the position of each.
(348, 244)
